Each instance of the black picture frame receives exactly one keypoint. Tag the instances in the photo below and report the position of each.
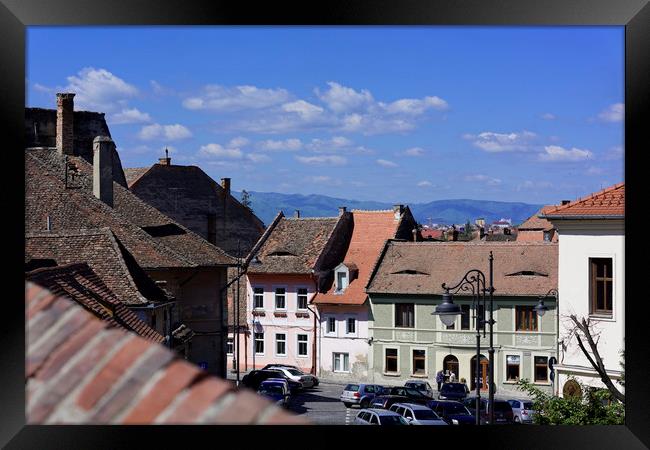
(15, 15)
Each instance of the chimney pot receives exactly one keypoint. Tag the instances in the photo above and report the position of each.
(103, 147)
(166, 161)
(64, 123)
(415, 234)
(566, 202)
(296, 214)
(342, 210)
(225, 184)
(398, 210)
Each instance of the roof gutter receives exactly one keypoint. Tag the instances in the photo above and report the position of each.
(583, 217)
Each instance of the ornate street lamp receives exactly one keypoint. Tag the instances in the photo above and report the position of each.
(474, 281)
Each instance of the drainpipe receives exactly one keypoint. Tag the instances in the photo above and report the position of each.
(313, 345)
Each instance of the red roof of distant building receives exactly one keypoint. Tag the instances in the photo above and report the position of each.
(609, 202)
(432, 234)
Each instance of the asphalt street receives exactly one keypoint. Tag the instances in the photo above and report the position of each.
(321, 405)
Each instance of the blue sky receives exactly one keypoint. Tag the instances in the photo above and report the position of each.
(399, 114)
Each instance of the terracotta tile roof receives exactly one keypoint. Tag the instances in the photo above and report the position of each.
(422, 267)
(82, 371)
(370, 232)
(609, 202)
(432, 234)
(79, 283)
(537, 223)
(104, 253)
(293, 246)
(154, 240)
(133, 174)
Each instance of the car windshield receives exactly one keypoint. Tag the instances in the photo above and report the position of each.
(454, 408)
(413, 392)
(294, 372)
(352, 387)
(272, 389)
(453, 387)
(392, 420)
(425, 414)
(528, 405)
(413, 385)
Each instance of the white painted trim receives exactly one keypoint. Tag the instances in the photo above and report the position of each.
(263, 344)
(297, 304)
(334, 362)
(263, 298)
(286, 299)
(275, 347)
(426, 360)
(298, 355)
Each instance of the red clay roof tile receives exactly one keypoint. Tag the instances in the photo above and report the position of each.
(607, 202)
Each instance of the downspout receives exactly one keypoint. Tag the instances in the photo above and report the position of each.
(313, 345)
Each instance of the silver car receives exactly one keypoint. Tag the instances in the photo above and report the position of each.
(378, 417)
(522, 410)
(306, 380)
(417, 414)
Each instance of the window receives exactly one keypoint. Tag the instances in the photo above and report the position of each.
(547, 236)
(405, 315)
(331, 325)
(419, 367)
(601, 285)
(259, 343)
(280, 344)
(374, 420)
(302, 345)
(341, 362)
(512, 367)
(302, 298)
(280, 298)
(352, 325)
(526, 318)
(464, 318)
(341, 281)
(230, 345)
(391, 360)
(541, 369)
(258, 298)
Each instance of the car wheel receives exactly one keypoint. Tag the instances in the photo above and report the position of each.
(364, 404)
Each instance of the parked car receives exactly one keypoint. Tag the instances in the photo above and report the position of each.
(307, 380)
(254, 378)
(502, 410)
(421, 385)
(359, 394)
(452, 391)
(453, 412)
(386, 401)
(522, 410)
(378, 417)
(417, 414)
(276, 390)
(399, 394)
(296, 371)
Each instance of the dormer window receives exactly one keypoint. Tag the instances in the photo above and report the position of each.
(344, 274)
(341, 280)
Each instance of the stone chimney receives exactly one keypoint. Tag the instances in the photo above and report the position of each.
(225, 184)
(565, 202)
(296, 214)
(415, 234)
(342, 210)
(398, 210)
(103, 148)
(64, 123)
(166, 161)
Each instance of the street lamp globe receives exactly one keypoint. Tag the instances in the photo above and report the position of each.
(447, 310)
(541, 308)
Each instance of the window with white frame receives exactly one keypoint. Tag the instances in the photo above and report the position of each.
(259, 343)
(541, 369)
(352, 325)
(280, 298)
(302, 345)
(331, 325)
(390, 364)
(419, 362)
(280, 344)
(258, 298)
(230, 345)
(341, 280)
(513, 367)
(341, 362)
(302, 298)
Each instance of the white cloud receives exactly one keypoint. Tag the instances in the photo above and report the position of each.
(386, 163)
(533, 185)
(593, 170)
(238, 141)
(258, 158)
(220, 98)
(484, 179)
(304, 109)
(502, 142)
(99, 90)
(549, 116)
(334, 160)
(218, 151)
(159, 89)
(324, 179)
(164, 132)
(288, 145)
(414, 106)
(425, 184)
(329, 145)
(413, 151)
(613, 113)
(127, 116)
(340, 98)
(555, 153)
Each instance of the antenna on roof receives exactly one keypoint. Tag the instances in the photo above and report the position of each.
(166, 152)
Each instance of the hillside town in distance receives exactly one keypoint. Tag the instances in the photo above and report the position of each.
(154, 296)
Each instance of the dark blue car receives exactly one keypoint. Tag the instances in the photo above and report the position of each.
(276, 391)
(452, 412)
(453, 391)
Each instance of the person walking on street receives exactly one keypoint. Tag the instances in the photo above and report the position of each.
(439, 379)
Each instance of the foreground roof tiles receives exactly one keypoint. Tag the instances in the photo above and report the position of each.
(79, 283)
(80, 370)
(520, 269)
(609, 202)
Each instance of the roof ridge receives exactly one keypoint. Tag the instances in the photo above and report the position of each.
(579, 200)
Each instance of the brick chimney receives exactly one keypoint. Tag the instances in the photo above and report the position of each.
(398, 210)
(342, 210)
(166, 161)
(103, 148)
(296, 214)
(225, 184)
(64, 123)
(566, 202)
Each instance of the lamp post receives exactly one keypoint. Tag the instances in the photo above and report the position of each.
(541, 309)
(474, 282)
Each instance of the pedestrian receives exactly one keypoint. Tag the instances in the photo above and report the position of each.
(464, 381)
(439, 379)
(452, 377)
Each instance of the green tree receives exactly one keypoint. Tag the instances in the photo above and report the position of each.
(246, 200)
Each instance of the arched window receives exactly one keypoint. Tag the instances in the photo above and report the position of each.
(483, 372)
(449, 365)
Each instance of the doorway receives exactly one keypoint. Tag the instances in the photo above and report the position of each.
(483, 368)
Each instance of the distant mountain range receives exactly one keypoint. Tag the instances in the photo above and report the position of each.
(266, 206)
